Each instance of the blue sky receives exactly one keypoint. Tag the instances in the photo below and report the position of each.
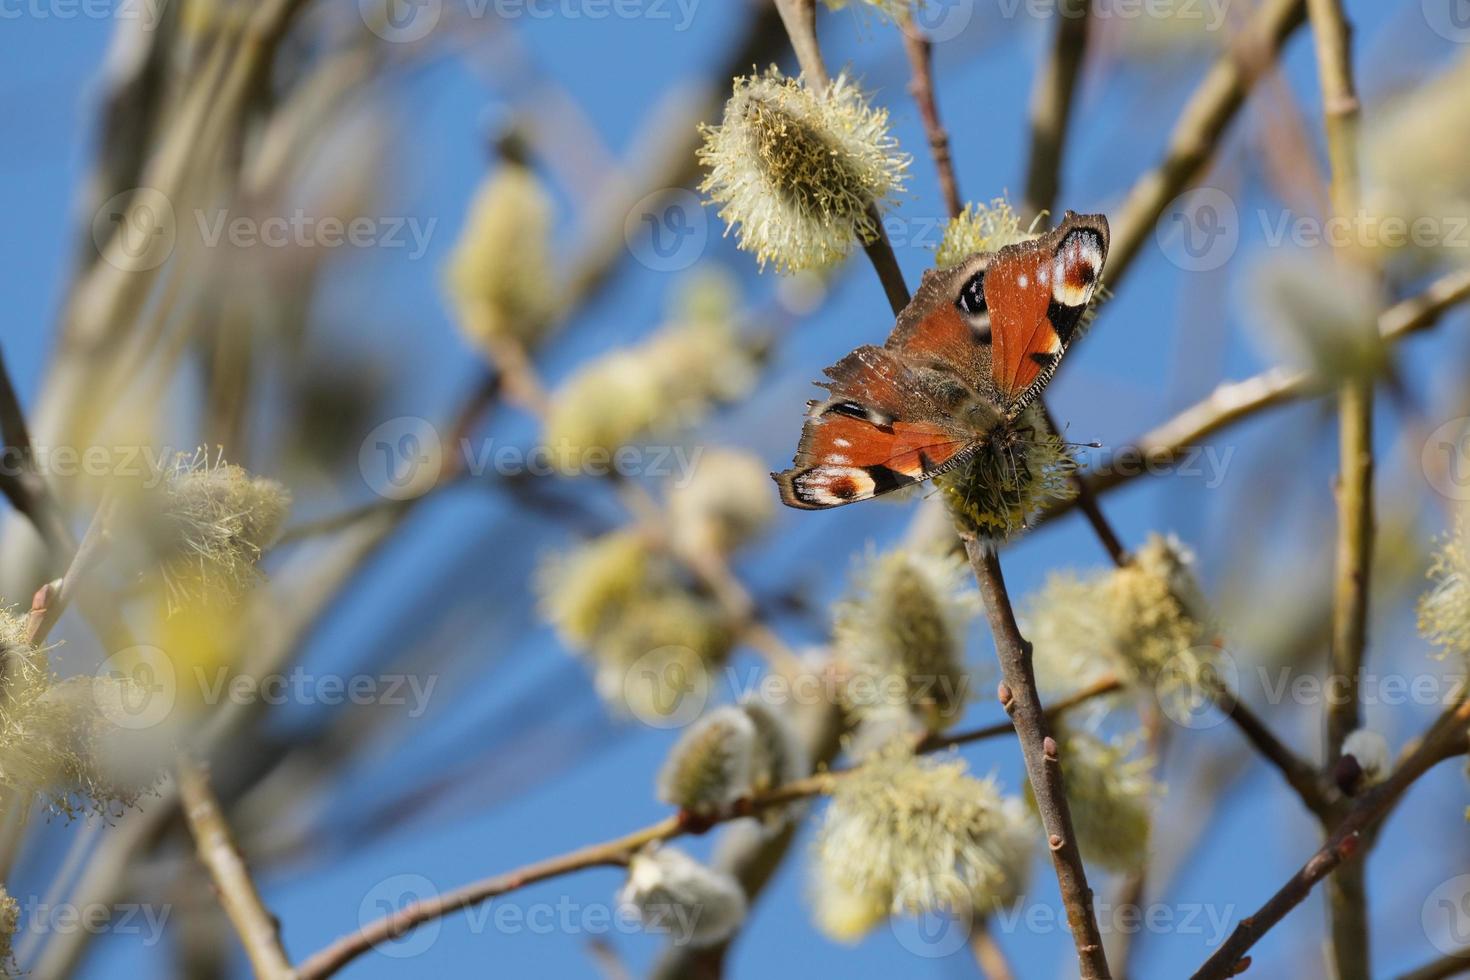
(518, 701)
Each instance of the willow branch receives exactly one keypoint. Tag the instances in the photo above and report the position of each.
(1449, 965)
(618, 851)
(1235, 401)
(1445, 737)
(1299, 774)
(20, 481)
(921, 86)
(258, 930)
(1347, 898)
(1043, 764)
(1051, 105)
(1201, 126)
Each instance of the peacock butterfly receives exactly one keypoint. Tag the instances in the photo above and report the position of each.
(976, 344)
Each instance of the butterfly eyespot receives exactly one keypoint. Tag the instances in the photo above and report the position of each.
(853, 410)
(971, 301)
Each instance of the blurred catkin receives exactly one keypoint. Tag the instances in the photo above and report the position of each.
(677, 895)
(499, 277)
(917, 834)
(902, 635)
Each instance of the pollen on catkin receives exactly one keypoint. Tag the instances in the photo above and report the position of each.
(917, 834)
(9, 926)
(979, 228)
(1111, 791)
(796, 171)
(894, 10)
(1444, 611)
(726, 502)
(211, 522)
(1147, 623)
(675, 894)
(902, 635)
(999, 489)
(51, 734)
(710, 765)
(499, 276)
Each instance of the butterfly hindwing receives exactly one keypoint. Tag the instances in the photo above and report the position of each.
(883, 428)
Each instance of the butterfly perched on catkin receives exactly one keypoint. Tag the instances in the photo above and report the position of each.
(974, 347)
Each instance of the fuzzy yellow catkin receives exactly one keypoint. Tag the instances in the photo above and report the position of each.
(1444, 610)
(979, 228)
(902, 634)
(663, 648)
(1146, 622)
(499, 275)
(795, 172)
(214, 522)
(917, 834)
(591, 585)
(53, 736)
(1417, 182)
(998, 490)
(726, 502)
(710, 765)
(1320, 316)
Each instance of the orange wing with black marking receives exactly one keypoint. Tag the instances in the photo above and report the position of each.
(974, 346)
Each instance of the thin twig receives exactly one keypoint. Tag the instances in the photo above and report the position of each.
(800, 20)
(1450, 965)
(1201, 126)
(1347, 897)
(1300, 774)
(258, 930)
(332, 958)
(921, 86)
(1445, 736)
(1051, 106)
(989, 957)
(1043, 765)
(1235, 401)
(21, 482)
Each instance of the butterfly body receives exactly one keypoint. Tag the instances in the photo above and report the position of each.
(972, 349)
